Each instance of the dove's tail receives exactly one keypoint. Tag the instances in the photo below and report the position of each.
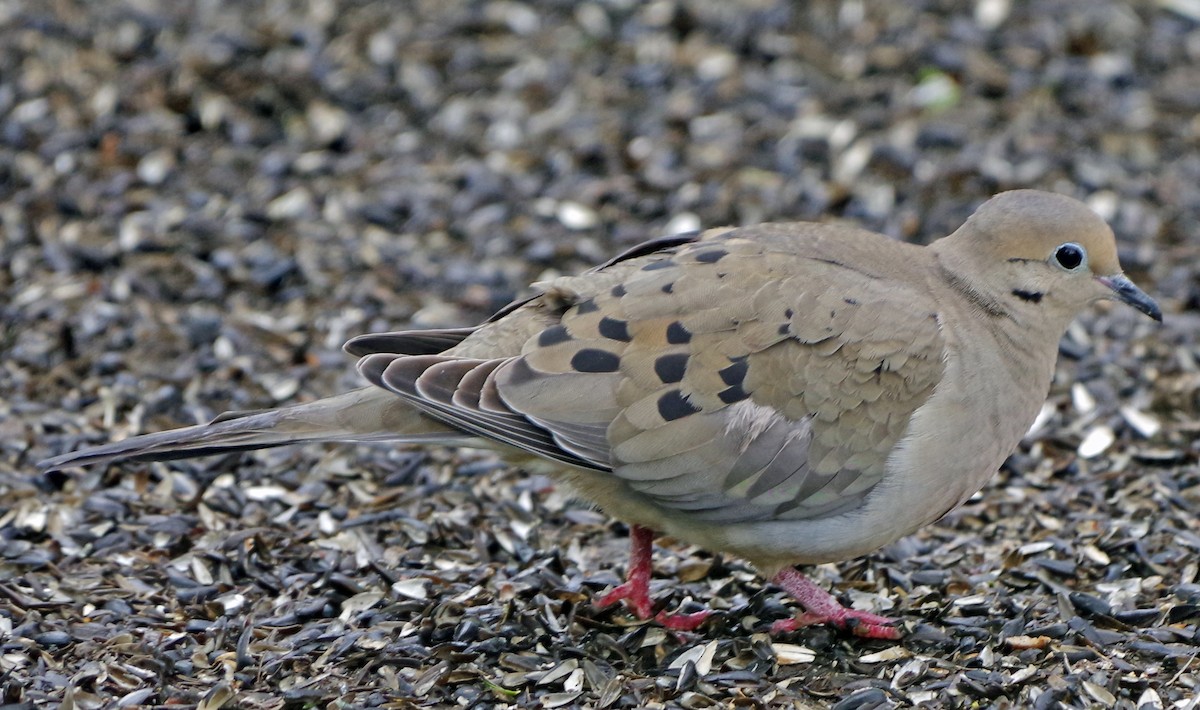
(367, 414)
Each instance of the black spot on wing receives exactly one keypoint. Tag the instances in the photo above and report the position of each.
(668, 288)
(735, 373)
(660, 264)
(670, 368)
(595, 360)
(672, 406)
(587, 306)
(677, 334)
(711, 256)
(614, 329)
(553, 336)
(733, 394)
(618, 290)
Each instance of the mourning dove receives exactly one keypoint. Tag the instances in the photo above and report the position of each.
(787, 393)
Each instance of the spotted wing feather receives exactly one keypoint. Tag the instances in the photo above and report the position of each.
(749, 375)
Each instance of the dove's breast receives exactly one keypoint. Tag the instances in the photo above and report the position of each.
(987, 400)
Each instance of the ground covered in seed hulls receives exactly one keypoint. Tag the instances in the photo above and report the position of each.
(200, 201)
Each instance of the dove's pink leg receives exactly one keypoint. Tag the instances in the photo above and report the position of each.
(636, 589)
(821, 608)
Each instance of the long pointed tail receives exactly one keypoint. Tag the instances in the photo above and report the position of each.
(367, 414)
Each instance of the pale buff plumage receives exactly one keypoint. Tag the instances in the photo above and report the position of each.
(789, 393)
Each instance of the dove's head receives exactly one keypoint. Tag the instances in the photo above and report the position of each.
(1027, 251)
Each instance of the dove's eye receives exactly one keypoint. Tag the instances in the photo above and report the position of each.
(1070, 256)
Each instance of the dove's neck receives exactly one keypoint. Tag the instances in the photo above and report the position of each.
(991, 327)
(978, 298)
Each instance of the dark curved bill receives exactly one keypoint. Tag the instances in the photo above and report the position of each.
(1126, 291)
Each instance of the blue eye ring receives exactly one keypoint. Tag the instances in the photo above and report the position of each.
(1069, 257)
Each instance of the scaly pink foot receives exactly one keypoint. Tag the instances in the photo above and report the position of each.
(635, 591)
(822, 608)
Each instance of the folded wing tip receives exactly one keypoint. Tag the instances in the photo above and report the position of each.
(54, 463)
(75, 459)
(354, 346)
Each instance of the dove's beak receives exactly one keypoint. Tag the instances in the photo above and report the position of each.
(1124, 290)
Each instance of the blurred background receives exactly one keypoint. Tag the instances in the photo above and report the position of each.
(199, 202)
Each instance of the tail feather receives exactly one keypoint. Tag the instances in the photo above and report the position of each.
(367, 414)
